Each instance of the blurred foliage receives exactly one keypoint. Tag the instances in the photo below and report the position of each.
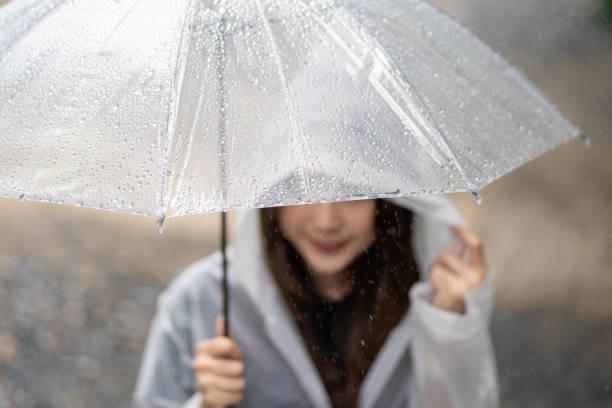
(605, 11)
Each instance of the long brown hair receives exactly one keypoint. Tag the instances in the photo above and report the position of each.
(381, 276)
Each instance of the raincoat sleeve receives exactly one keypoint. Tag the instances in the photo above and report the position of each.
(453, 359)
(166, 378)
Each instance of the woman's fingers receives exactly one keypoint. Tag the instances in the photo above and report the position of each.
(220, 326)
(454, 263)
(472, 274)
(453, 277)
(219, 369)
(219, 366)
(218, 398)
(449, 289)
(441, 277)
(228, 384)
(220, 347)
(473, 243)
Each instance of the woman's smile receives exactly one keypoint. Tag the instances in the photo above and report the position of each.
(329, 237)
(328, 247)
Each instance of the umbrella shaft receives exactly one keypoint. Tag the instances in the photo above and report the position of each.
(224, 280)
(221, 44)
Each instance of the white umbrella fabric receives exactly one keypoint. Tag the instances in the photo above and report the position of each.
(168, 108)
(172, 108)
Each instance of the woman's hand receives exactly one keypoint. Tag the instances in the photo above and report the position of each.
(452, 276)
(219, 370)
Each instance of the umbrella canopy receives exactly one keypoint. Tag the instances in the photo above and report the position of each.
(168, 108)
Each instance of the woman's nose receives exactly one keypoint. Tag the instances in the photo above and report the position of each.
(327, 217)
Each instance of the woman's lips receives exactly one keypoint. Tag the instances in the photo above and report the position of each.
(328, 247)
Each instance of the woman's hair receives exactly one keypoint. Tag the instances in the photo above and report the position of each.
(382, 276)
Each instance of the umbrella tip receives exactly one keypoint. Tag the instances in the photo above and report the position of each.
(476, 197)
(161, 221)
(585, 139)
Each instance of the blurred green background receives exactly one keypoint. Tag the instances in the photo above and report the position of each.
(606, 10)
(78, 287)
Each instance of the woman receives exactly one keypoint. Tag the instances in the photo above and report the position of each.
(327, 311)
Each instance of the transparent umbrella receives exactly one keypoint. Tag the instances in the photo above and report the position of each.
(168, 108)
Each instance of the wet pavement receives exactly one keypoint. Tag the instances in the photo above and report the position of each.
(78, 287)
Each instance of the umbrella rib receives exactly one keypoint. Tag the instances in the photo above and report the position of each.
(301, 155)
(198, 113)
(123, 18)
(173, 104)
(512, 70)
(419, 119)
(28, 30)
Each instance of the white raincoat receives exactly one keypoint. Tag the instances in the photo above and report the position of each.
(431, 359)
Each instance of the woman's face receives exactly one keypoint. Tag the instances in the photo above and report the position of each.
(329, 236)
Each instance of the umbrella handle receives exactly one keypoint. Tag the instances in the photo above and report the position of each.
(225, 293)
(224, 283)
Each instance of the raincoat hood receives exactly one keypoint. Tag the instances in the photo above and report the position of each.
(435, 215)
